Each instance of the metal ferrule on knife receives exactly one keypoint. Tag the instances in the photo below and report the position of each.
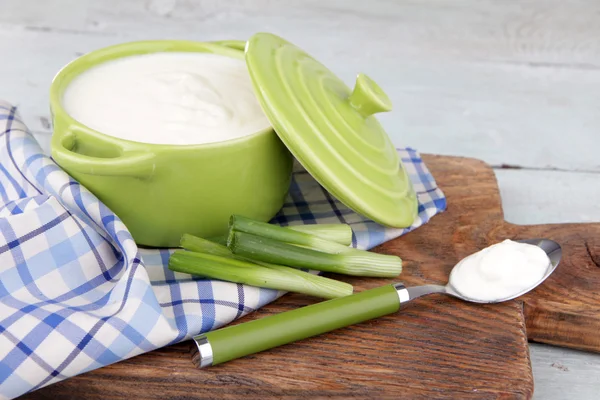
(202, 352)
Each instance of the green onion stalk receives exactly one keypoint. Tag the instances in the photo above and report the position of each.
(339, 233)
(238, 269)
(349, 261)
(358, 263)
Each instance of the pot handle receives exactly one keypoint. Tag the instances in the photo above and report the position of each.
(132, 163)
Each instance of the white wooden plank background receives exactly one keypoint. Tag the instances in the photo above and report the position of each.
(510, 82)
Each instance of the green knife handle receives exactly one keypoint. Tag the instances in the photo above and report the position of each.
(240, 340)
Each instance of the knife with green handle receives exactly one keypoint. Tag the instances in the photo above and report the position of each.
(240, 340)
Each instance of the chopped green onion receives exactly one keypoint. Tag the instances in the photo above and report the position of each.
(242, 224)
(357, 262)
(340, 233)
(306, 283)
(219, 239)
(305, 240)
(199, 245)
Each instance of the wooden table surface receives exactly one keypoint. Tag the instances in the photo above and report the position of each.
(515, 83)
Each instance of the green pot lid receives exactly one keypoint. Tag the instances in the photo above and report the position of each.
(331, 130)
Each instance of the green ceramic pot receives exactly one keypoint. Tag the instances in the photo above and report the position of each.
(163, 191)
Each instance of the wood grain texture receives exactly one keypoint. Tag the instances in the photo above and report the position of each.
(533, 197)
(565, 311)
(562, 373)
(437, 347)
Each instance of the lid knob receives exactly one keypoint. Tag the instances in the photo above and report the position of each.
(368, 98)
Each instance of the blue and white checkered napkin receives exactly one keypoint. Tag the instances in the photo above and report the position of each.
(77, 294)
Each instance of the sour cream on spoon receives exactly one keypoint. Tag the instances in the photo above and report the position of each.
(500, 271)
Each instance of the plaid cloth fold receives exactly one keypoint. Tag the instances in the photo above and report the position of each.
(77, 294)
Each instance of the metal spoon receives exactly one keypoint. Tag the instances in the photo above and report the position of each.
(550, 247)
(252, 337)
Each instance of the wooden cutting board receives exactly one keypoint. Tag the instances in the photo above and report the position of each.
(436, 347)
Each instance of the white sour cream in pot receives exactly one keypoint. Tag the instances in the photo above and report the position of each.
(167, 98)
(500, 271)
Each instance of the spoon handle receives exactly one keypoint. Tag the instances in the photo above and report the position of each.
(407, 294)
(252, 337)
